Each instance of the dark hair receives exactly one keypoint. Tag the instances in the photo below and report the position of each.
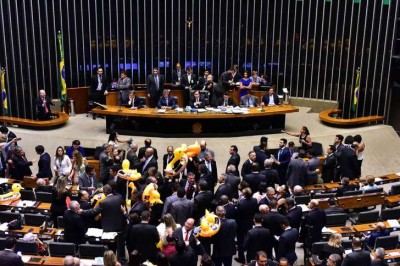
(175, 187)
(273, 204)
(145, 215)
(147, 142)
(88, 168)
(284, 140)
(76, 142)
(262, 187)
(112, 136)
(332, 148)
(203, 185)
(180, 247)
(255, 167)
(357, 138)
(39, 149)
(291, 144)
(312, 152)
(289, 201)
(124, 72)
(349, 140)
(331, 201)
(107, 189)
(181, 192)
(263, 140)
(227, 93)
(340, 137)
(10, 242)
(258, 218)
(306, 130)
(3, 129)
(235, 148)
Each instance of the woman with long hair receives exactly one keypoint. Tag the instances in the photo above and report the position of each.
(59, 196)
(109, 259)
(62, 163)
(79, 164)
(166, 230)
(304, 137)
(334, 246)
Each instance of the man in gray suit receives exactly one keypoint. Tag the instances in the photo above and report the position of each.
(123, 85)
(88, 180)
(155, 86)
(181, 209)
(249, 100)
(296, 173)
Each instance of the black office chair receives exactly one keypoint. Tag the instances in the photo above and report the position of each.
(395, 190)
(304, 199)
(386, 242)
(27, 247)
(324, 195)
(316, 250)
(317, 147)
(366, 217)
(6, 217)
(44, 197)
(352, 193)
(35, 219)
(393, 213)
(60, 249)
(60, 222)
(376, 190)
(89, 251)
(2, 243)
(27, 194)
(336, 219)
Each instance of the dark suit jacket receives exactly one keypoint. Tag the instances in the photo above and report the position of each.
(201, 99)
(246, 168)
(163, 102)
(234, 181)
(151, 163)
(74, 228)
(230, 211)
(142, 151)
(271, 176)
(216, 94)
(21, 167)
(166, 161)
(214, 173)
(95, 83)
(144, 238)
(273, 221)
(134, 162)
(265, 99)
(357, 258)
(178, 234)
(287, 245)
(224, 241)
(190, 192)
(284, 159)
(86, 181)
(201, 203)
(258, 238)
(188, 257)
(175, 75)
(41, 114)
(246, 208)
(328, 168)
(8, 257)
(254, 180)
(348, 163)
(223, 189)
(333, 210)
(151, 85)
(230, 102)
(44, 165)
(234, 160)
(185, 81)
(295, 216)
(313, 223)
(181, 210)
(137, 102)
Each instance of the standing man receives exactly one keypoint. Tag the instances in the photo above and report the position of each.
(188, 81)
(123, 85)
(282, 160)
(105, 159)
(257, 239)
(203, 80)
(287, 242)
(44, 163)
(99, 86)
(177, 74)
(74, 227)
(168, 157)
(155, 87)
(246, 167)
(329, 165)
(132, 157)
(8, 256)
(234, 159)
(43, 103)
(148, 160)
(21, 164)
(211, 165)
(358, 257)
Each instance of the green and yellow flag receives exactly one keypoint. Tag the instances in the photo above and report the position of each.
(62, 85)
(356, 91)
(4, 92)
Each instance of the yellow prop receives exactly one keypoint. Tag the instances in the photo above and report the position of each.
(129, 174)
(11, 196)
(209, 225)
(133, 189)
(151, 195)
(182, 154)
(99, 197)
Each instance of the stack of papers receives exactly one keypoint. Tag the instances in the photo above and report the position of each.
(4, 227)
(109, 235)
(304, 207)
(26, 203)
(327, 230)
(3, 180)
(201, 110)
(161, 111)
(25, 259)
(393, 223)
(94, 232)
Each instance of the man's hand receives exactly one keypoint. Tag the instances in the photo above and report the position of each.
(105, 92)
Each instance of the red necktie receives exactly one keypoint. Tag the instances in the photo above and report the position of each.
(45, 106)
(187, 236)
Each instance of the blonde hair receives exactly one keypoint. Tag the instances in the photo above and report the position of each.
(169, 221)
(370, 180)
(335, 240)
(78, 158)
(109, 258)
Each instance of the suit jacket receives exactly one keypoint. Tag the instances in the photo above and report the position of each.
(202, 100)
(175, 78)
(163, 102)
(167, 161)
(21, 167)
(8, 257)
(41, 110)
(201, 203)
(178, 234)
(105, 162)
(223, 189)
(86, 181)
(189, 192)
(284, 158)
(124, 84)
(245, 101)
(137, 102)
(271, 176)
(295, 216)
(144, 238)
(224, 79)
(152, 163)
(246, 208)
(214, 173)
(265, 99)
(134, 162)
(151, 85)
(188, 257)
(328, 168)
(44, 165)
(142, 151)
(348, 163)
(287, 245)
(313, 223)
(261, 156)
(273, 221)
(224, 241)
(258, 238)
(234, 160)
(234, 181)
(357, 258)
(246, 168)
(296, 173)
(185, 81)
(74, 228)
(168, 203)
(216, 94)
(334, 210)
(181, 210)
(254, 179)
(230, 102)
(95, 83)
(378, 263)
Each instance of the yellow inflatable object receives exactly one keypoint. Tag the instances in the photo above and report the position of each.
(129, 174)
(209, 225)
(182, 154)
(99, 197)
(11, 196)
(151, 195)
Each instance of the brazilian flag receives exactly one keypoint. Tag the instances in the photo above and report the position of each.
(4, 92)
(356, 91)
(62, 85)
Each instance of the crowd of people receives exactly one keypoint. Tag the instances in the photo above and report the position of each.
(260, 221)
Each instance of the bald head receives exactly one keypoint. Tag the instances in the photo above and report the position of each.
(40, 182)
(264, 209)
(42, 93)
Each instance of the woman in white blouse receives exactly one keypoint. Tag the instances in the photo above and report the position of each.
(62, 163)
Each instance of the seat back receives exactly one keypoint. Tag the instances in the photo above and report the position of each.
(324, 195)
(304, 199)
(368, 217)
(390, 214)
(176, 98)
(90, 251)
(27, 194)
(27, 247)
(97, 152)
(387, 242)
(2, 243)
(34, 219)
(395, 190)
(352, 193)
(338, 219)
(43, 197)
(60, 222)
(376, 190)
(60, 249)
(317, 247)
(6, 217)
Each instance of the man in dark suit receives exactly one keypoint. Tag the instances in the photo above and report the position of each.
(233, 179)
(258, 238)
(296, 173)
(314, 221)
(338, 143)
(287, 243)
(181, 209)
(134, 102)
(333, 208)
(216, 92)
(262, 260)
(8, 133)
(168, 157)
(234, 159)
(188, 80)
(249, 100)
(271, 175)
(202, 201)
(282, 160)
(44, 163)
(21, 164)
(224, 240)
(262, 154)
(189, 185)
(99, 86)
(132, 157)
(142, 150)
(211, 165)
(148, 160)
(203, 80)
(223, 189)
(230, 208)
(345, 186)
(270, 98)
(144, 238)
(226, 101)
(273, 220)
(166, 101)
(329, 165)
(255, 178)
(43, 103)
(184, 255)
(8, 256)
(186, 235)
(88, 180)
(358, 257)
(155, 86)
(197, 100)
(349, 166)
(246, 167)
(177, 74)
(294, 213)
(74, 227)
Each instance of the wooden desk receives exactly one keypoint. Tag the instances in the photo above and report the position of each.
(25, 229)
(80, 95)
(316, 188)
(34, 260)
(360, 201)
(112, 97)
(392, 256)
(327, 117)
(343, 230)
(44, 206)
(60, 119)
(368, 227)
(393, 200)
(147, 121)
(55, 261)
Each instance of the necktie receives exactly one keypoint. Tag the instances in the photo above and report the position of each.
(187, 236)
(279, 153)
(179, 74)
(157, 84)
(133, 102)
(166, 101)
(189, 78)
(225, 103)
(248, 102)
(46, 110)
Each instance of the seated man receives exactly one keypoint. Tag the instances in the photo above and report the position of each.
(226, 101)
(166, 101)
(88, 180)
(249, 100)
(134, 102)
(43, 103)
(197, 100)
(270, 99)
(380, 230)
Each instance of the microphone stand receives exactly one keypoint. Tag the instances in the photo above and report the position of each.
(120, 102)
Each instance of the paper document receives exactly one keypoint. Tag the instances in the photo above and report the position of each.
(94, 232)
(109, 235)
(3, 180)
(26, 203)
(393, 223)
(328, 230)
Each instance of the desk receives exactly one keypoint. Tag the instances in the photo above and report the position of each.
(148, 122)
(361, 201)
(391, 254)
(368, 227)
(393, 200)
(343, 230)
(34, 260)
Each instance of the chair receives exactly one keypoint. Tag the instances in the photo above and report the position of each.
(60, 249)
(386, 242)
(60, 222)
(89, 251)
(376, 190)
(304, 199)
(6, 217)
(27, 194)
(390, 214)
(34, 219)
(366, 217)
(2, 243)
(176, 98)
(43, 197)
(347, 244)
(324, 195)
(27, 247)
(353, 193)
(395, 190)
(316, 249)
(336, 219)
